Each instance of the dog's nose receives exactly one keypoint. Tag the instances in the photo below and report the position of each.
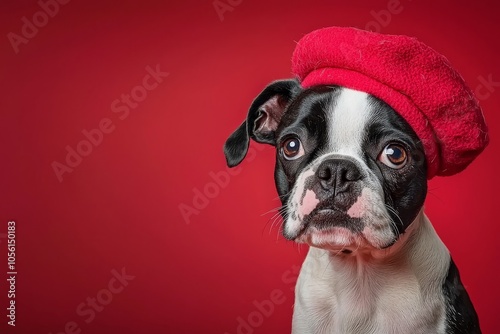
(338, 174)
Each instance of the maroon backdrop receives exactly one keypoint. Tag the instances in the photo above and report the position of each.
(113, 117)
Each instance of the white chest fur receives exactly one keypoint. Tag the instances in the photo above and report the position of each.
(393, 291)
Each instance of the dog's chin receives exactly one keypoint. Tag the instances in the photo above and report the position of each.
(331, 231)
(335, 239)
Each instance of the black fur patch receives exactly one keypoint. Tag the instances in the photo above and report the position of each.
(461, 318)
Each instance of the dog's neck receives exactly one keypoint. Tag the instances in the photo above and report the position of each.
(359, 285)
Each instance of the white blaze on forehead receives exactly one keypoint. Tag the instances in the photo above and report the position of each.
(348, 116)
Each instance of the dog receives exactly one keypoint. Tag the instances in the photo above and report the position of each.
(351, 175)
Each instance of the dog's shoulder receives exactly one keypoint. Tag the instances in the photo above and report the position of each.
(461, 318)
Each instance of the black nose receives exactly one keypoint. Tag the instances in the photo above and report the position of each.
(338, 174)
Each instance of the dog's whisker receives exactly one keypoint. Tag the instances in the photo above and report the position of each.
(278, 208)
(392, 222)
(280, 228)
(284, 195)
(277, 213)
(277, 221)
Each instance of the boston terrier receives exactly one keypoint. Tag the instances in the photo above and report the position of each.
(351, 175)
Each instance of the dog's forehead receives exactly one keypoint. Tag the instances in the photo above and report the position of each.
(348, 118)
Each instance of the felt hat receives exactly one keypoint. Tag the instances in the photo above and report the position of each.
(416, 81)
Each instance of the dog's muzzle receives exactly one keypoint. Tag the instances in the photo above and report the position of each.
(337, 202)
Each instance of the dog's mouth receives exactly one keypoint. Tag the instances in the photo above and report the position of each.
(308, 220)
(328, 226)
(334, 229)
(326, 218)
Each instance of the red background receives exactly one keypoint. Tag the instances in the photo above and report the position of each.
(119, 208)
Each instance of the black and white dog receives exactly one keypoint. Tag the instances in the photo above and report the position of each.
(351, 174)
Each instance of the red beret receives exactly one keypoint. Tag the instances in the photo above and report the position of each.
(412, 78)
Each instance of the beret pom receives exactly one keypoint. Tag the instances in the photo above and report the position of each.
(416, 81)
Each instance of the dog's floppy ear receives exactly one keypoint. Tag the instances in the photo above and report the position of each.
(262, 120)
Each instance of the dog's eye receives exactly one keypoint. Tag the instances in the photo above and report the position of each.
(292, 149)
(394, 156)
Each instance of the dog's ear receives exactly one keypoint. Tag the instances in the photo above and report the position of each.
(262, 120)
